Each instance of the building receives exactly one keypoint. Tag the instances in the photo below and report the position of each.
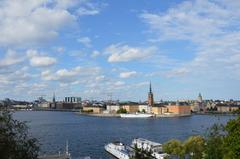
(150, 96)
(159, 110)
(179, 108)
(72, 100)
(93, 109)
(226, 108)
(131, 107)
(198, 104)
(144, 108)
(113, 108)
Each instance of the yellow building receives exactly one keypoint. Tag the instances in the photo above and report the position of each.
(131, 108)
(158, 110)
(227, 108)
(180, 109)
(91, 109)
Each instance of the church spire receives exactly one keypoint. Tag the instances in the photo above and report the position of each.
(54, 100)
(150, 88)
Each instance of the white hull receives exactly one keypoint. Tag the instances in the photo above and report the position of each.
(136, 115)
(119, 151)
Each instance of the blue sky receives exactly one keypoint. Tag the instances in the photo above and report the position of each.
(98, 49)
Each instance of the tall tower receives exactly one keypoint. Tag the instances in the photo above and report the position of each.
(150, 96)
(200, 98)
(54, 99)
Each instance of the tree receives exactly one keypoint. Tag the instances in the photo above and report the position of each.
(14, 140)
(194, 147)
(174, 147)
(140, 153)
(214, 142)
(232, 139)
(122, 111)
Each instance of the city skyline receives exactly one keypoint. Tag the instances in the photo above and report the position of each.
(97, 49)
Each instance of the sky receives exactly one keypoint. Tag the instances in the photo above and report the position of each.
(112, 49)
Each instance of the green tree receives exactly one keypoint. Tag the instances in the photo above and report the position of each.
(194, 147)
(232, 139)
(174, 147)
(214, 142)
(14, 140)
(122, 111)
(142, 154)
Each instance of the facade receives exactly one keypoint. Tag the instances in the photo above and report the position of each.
(113, 108)
(158, 110)
(131, 108)
(144, 108)
(150, 96)
(72, 100)
(227, 108)
(179, 108)
(91, 109)
(44, 105)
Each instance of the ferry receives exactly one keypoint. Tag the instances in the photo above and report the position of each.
(136, 115)
(117, 149)
(147, 145)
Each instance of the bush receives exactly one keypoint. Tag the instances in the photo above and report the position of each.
(15, 142)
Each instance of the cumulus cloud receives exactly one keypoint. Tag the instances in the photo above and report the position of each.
(70, 75)
(11, 58)
(38, 60)
(125, 53)
(127, 74)
(28, 22)
(208, 27)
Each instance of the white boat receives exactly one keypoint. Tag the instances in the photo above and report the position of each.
(117, 149)
(136, 115)
(154, 147)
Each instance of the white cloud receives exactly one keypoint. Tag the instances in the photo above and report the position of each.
(86, 41)
(127, 74)
(38, 60)
(25, 23)
(11, 58)
(125, 53)
(71, 75)
(90, 9)
(212, 27)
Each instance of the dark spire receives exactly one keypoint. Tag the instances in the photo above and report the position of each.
(54, 100)
(150, 88)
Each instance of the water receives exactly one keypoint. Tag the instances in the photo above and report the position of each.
(88, 135)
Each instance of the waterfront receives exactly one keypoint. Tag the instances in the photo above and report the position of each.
(87, 135)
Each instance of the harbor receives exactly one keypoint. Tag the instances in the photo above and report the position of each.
(87, 135)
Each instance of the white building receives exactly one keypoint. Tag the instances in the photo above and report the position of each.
(113, 108)
(145, 108)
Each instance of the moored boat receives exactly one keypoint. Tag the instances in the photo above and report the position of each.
(154, 147)
(136, 115)
(117, 149)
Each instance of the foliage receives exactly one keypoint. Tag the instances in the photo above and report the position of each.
(232, 139)
(14, 140)
(214, 142)
(141, 154)
(174, 147)
(194, 147)
(122, 111)
(87, 111)
(144, 111)
(220, 142)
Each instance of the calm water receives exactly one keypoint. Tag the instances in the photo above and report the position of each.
(88, 135)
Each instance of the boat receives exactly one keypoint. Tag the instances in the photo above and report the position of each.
(136, 115)
(118, 150)
(154, 147)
